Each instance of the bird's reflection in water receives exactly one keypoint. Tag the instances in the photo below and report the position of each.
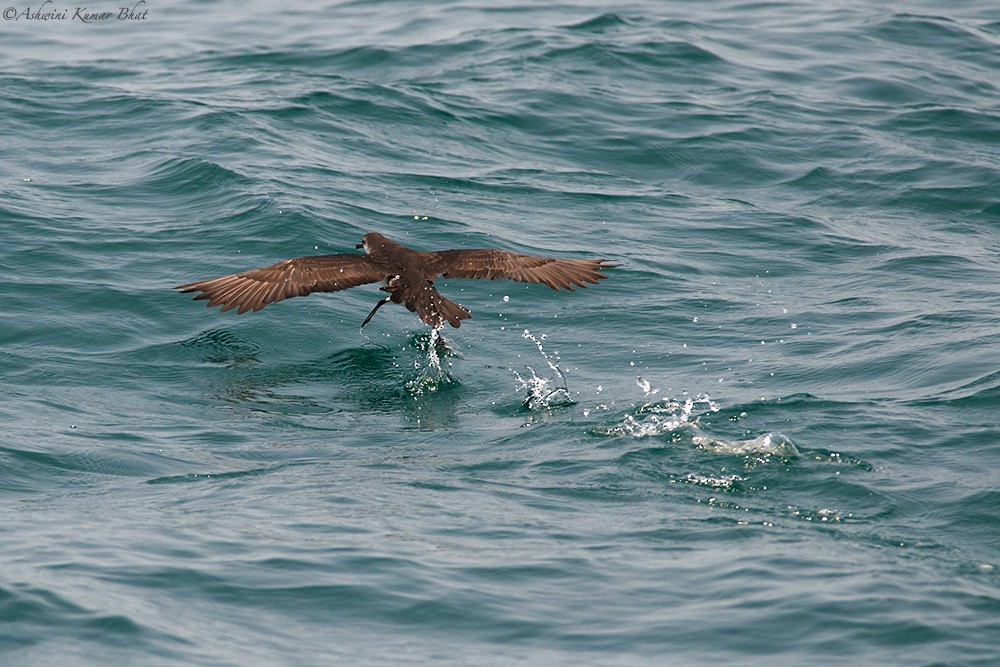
(358, 383)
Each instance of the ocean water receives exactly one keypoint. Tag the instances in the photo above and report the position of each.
(772, 436)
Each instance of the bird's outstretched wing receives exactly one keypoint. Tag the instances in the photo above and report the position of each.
(252, 290)
(494, 264)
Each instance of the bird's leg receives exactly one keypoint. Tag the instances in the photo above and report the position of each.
(378, 305)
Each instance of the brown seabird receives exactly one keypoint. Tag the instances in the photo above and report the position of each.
(409, 277)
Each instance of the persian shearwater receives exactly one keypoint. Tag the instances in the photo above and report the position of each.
(409, 277)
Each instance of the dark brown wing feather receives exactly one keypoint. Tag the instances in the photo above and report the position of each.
(494, 264)
(252, 290)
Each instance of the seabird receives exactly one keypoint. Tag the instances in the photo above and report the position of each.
(409, 276)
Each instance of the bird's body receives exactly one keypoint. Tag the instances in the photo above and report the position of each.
(409, 277)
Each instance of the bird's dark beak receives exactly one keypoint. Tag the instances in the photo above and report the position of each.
(360, 246)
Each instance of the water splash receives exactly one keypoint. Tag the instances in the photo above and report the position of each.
(430, 374)
(664, 416)
(721, 483)
(543, 393)
(677, 417)
(646, 387)
(769, 444)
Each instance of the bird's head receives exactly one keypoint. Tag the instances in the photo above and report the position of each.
(372, 241)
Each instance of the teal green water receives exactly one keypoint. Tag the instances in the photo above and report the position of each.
(770, 437)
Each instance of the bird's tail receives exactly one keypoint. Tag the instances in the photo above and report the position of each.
(430, 306)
